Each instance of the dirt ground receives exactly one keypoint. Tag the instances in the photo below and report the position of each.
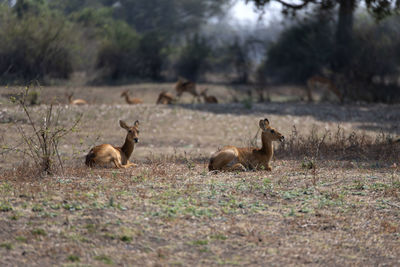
(170, 211)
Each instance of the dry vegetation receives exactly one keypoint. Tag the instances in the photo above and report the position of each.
(332, 198)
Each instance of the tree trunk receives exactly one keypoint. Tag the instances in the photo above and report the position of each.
(344, 35)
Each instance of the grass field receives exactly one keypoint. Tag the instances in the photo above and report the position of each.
(332, 198)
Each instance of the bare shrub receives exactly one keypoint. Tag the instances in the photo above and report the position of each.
(339, 145)
(41, 139)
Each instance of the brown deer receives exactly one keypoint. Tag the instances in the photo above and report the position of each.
(131, 101)
(75, 101)
(321, 83)
(208, 98)
(182, 86)
(231, 158)
(106, 153)
(165, 98)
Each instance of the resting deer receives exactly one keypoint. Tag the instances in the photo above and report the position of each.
(131, 101)
(107, 153)
(182, 86)
(231, 158)
(165, 98)
(317, 82)
(208, 98)
(75, 101)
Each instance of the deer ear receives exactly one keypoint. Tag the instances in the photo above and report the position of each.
(123, 124)
(266, 121)
(136, 124)
(262, 124)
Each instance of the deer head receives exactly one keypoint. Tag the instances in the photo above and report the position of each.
(271, 133)
(133, 131)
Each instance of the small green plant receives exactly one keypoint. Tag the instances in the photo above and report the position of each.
(126, 238)
(5, 206)
(104, 258)
(37, 208)
(73, 258)
(39, 232)
(7, 246)
(21, 238)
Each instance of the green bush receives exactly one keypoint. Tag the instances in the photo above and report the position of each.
(193, 58)
(34, 47)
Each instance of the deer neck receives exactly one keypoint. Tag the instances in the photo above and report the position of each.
(127, 148)
(267, 147)
(127, 98)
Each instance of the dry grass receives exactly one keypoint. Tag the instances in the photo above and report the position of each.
(332, 198)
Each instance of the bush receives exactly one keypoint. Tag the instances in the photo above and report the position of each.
(35, 47)
(300, 52)
(118, 56)
(193, 58)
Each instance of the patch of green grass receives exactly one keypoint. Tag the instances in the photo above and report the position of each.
(5, 206)
(37, 208)
(39, 232)
(126, 238)
(21, 238)
(218, 237)
(7, 246)
(73, 258)
(104, 258)
(200, 242)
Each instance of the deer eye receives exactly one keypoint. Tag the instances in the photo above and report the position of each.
(272, 131)
(129, 131)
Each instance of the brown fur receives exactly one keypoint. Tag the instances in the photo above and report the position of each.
(208, 98)
(182, 86)
(317, 82)
(76, 101)
(165, 98)
(231, 158)
(131, 101)
(107, 153)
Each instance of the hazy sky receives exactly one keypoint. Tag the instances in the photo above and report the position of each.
(246, 13)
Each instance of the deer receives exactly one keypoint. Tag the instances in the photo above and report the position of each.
(165, 98)
(208, 98)
(131, 101)
(106, 153)
(232, 158)
(75, 101)
(182, 86)
(318, 82)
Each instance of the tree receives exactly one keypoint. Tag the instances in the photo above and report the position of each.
(344, 28)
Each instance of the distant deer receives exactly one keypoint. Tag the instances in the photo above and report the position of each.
(165, 98)
(75, 101)
(182, 86)
(208, 99)
(131, 101)
(106, 153)
(323, 84)
(231, 158)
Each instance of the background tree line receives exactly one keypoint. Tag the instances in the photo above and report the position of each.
(128, 40)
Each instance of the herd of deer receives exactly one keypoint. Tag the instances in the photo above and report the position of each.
(166, 98)
(228, 158)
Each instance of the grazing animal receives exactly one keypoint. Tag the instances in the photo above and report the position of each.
(75, 101)
(131, 101)
(165, 98)
(107, 153)
(231, 158)
(208, 98)
(325, 85)
(182, 86)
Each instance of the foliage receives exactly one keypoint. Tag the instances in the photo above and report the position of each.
(300, 52)
(193, 58)
(35, 46)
